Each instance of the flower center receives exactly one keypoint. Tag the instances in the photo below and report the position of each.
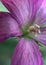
(35, 29)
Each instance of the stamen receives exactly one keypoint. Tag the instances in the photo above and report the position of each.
(37, 26)
(35, 29)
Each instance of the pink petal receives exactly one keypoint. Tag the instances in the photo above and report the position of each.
(26, 53)
(8, 26)
(40, 17)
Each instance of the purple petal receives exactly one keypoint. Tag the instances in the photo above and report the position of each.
(36, 6)
(43, 30)
(37, 3)
(19, 9)
(41, 38)
(26, 53)
(24, 10)
(8, 26)
(40, 18)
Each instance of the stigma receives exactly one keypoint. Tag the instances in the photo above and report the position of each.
(35, 29)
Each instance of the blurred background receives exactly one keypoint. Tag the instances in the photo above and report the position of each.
(7, 47)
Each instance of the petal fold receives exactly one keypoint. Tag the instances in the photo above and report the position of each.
(8, 26)
(26, 53)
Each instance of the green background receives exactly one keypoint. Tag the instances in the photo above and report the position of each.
(7, 47)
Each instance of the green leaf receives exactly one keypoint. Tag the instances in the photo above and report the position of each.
(2, 8)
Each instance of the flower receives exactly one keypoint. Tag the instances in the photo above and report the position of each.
(26, 19)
